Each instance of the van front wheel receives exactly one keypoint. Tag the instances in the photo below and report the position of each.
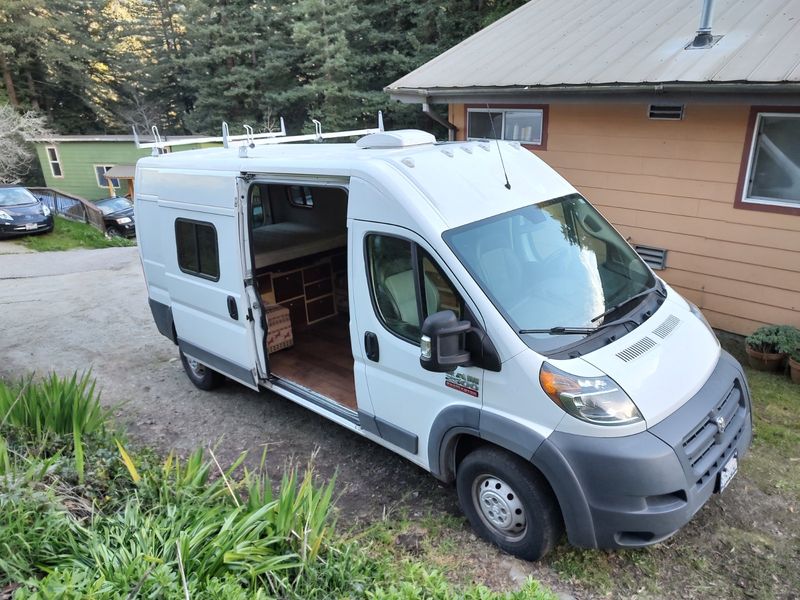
(508, 503)
(199, 374)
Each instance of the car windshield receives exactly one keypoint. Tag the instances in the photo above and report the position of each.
(15, 196)
(554, 264)
(112, 205)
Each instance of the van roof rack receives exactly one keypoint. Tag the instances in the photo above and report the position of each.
(251, 139)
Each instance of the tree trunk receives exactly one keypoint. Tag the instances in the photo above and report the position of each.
(32, 91)
(12, 93)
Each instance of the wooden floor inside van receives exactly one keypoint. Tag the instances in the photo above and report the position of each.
(321, 360)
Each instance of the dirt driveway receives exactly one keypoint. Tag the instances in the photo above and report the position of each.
(71, 310)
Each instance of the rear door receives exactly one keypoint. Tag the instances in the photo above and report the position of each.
(206, 278)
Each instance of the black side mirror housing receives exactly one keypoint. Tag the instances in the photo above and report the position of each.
(443, 342)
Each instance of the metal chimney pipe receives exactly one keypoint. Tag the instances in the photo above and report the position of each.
(704, 39)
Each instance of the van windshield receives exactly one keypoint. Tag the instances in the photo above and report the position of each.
(551, 265)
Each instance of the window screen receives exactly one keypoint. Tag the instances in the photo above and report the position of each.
(775, 160)
(198, 252)
(519, 125)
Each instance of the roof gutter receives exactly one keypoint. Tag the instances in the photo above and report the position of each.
(778, 92)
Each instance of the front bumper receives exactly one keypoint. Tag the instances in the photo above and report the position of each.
(641, 489)
(25, 226)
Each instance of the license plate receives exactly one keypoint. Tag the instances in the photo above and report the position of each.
(728, 471)
(29, 226)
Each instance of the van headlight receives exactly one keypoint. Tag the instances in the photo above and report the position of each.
(597, 400)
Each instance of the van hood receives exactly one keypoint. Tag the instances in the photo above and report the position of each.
(662, 363)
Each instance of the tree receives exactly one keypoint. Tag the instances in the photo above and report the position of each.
(16, 154)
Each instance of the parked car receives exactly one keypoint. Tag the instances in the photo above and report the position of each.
(21, 212)
(118, 216)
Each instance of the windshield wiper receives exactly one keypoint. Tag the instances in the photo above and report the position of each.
(618, 305)
(577, 330)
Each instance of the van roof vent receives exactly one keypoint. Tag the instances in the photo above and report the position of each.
(401, 138)
(663, 112)
(636, 350)
(655, 257)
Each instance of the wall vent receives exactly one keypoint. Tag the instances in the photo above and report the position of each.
(655, 257)
(663, 112)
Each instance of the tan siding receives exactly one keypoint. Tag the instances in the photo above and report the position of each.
(671, 184)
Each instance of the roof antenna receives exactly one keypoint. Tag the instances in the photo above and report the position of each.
(497, 141)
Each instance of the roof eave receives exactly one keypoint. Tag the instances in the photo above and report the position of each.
(740, 91)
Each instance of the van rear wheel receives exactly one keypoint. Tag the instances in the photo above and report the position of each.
(199, 374)
(508, 503)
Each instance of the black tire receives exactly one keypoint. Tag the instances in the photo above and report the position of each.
(509, 503)
(200, 375)
(113, 232)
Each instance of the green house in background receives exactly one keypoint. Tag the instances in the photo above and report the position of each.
(93, 166)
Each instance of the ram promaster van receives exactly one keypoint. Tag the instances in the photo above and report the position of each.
(460, 304)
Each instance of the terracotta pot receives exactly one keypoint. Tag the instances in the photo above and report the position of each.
(794, 370)
(764, 361)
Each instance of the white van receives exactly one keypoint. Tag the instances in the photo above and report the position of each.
(460, 304)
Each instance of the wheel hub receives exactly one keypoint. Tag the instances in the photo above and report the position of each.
(499, 506)
(195, 366)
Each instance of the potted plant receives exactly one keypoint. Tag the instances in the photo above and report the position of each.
(768, 346)
(794, 365)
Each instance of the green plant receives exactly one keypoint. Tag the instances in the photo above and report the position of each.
(774, 339)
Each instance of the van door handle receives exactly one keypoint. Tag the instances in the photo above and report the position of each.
(371, 346)
(233, 311)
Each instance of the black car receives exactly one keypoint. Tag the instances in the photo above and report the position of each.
(21, 212)
(118, 216)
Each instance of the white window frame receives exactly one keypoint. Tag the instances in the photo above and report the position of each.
(747, 184)
(504, 111)
(56, 161)
(106, 169)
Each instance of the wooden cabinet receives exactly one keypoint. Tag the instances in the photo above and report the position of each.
(308, 292)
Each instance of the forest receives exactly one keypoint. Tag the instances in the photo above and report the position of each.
(99, 66)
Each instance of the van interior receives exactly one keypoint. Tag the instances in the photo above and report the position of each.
(299, 249)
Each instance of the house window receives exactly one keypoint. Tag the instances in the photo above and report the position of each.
(772, 176)
(55, 162)
(523, 125)
(198, 252)
(100, 172)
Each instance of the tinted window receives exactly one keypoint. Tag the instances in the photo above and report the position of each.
(198, 253)
(300, 195)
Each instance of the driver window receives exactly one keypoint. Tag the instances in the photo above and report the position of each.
(393, 282)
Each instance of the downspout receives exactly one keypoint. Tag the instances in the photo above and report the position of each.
(451, 129)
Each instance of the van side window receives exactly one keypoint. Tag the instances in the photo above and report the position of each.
(300, 196)
(198, 252)
(406, 285)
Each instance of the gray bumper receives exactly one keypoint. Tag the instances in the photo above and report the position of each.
(640, 489)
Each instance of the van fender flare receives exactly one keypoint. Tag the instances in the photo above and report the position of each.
(457, 420)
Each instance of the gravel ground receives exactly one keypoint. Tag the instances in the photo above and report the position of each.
(85, 309)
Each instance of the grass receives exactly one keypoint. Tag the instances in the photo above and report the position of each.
(69, 235)
(82, 516)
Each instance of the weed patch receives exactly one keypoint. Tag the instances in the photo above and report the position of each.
(68, 235)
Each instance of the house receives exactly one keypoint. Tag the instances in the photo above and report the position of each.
(679, 120)
(91, 166)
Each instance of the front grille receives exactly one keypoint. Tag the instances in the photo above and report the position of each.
(706, 447)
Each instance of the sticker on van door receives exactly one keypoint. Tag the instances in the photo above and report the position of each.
(463, 383)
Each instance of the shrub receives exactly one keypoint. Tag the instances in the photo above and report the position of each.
(774, 339)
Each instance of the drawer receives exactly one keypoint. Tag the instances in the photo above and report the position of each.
(297, 312)
(320, 288)
(320, 308)
(317, 272)
(287, 286)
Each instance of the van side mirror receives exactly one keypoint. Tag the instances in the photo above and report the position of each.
(443, 342)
